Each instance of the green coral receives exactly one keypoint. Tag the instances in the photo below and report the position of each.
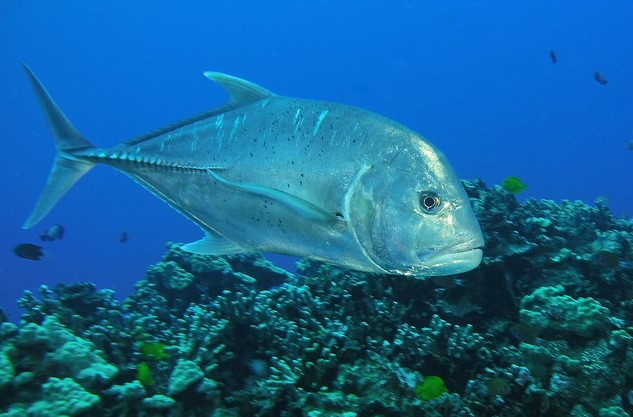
(174, 277)
(128, 391)
(159, 402)
(549, 310)
(7, 371)
(613, 411)
(185, 374)
(63, 397)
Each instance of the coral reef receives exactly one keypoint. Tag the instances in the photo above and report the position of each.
(541, 328)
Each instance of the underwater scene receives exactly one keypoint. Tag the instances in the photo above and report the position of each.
(355, 209)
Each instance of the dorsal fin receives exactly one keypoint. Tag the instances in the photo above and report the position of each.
(241, 93)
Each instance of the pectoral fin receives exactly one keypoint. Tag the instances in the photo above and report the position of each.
(298, 205)
(212, 244)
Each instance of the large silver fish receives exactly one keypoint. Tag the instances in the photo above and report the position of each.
(286, 175)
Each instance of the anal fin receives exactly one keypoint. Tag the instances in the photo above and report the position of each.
(212, 244)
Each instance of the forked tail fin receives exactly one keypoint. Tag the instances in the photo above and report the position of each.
(67, 169)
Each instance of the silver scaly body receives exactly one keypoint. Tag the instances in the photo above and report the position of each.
(302, 177)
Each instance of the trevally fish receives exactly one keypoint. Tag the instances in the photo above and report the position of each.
(269, 173)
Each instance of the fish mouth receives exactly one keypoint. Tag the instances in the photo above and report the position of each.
(456, 259)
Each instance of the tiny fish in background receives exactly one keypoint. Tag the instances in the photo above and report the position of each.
(431, 388)
(600, 78)
(524, 333)
(498, 386)
(448, 281)
(29, 251)
(514, 185)
(55, 232)
(553, 56)
(608, 259)
(629, 146)
(123, 237)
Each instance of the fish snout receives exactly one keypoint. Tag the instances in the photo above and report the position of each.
(456, 259)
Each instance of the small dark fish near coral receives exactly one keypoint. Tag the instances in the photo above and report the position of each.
(514, 185)
(553, 56)
(524, 333)
(55, 232)
(448, 281)
(599, 78)
(123, 237)
(29, 251)
(608, 259)
(498, 386)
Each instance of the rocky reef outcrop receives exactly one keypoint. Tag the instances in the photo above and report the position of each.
(542, 328)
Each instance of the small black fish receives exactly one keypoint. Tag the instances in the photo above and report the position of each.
(524, 333)
(553, 56)
(29, 251)
(123, 237)
(608, 259)
(448, 281)
(600, 78)
(55, 232)
(498, 386)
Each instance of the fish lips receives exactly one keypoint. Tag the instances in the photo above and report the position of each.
(456, 259)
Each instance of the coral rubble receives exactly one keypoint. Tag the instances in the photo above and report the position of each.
(541, 328)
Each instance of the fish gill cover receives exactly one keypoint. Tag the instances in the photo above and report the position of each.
(333, 342)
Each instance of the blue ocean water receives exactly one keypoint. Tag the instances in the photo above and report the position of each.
(474, 77)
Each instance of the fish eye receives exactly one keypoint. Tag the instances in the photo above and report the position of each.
(430, 202)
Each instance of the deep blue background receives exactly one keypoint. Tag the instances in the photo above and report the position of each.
(474, 77)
